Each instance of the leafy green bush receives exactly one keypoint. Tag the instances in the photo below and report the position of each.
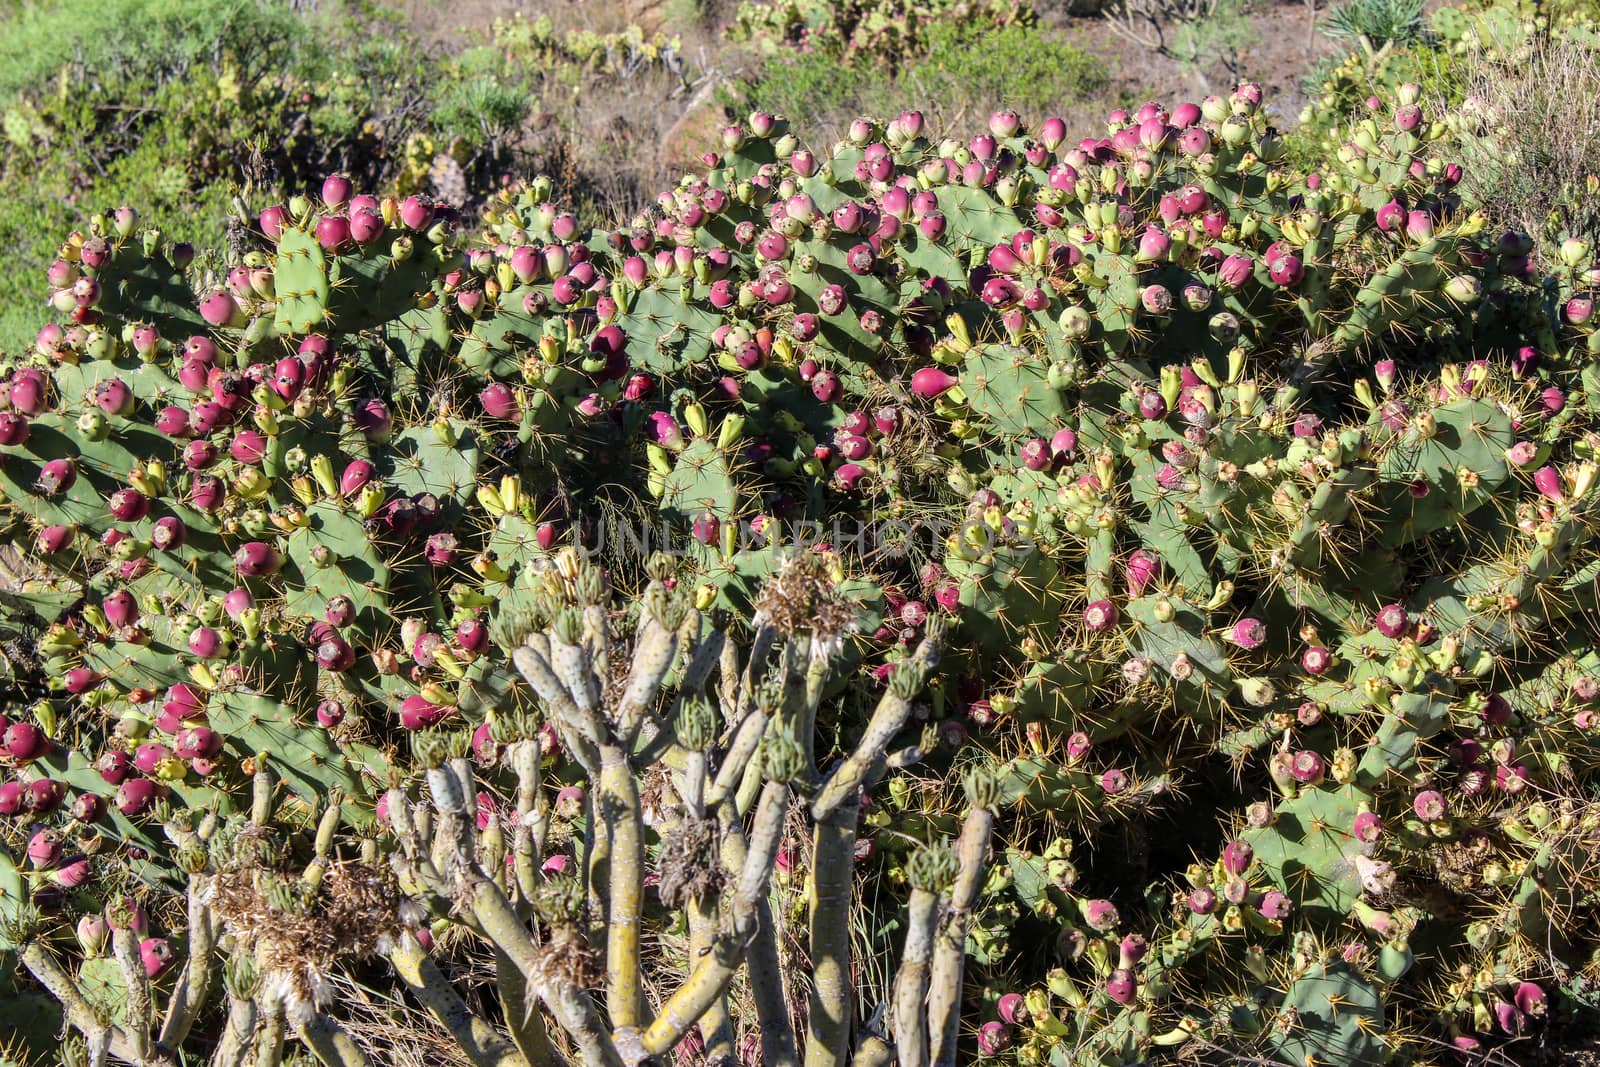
(95, 47)
(966, 69)
(968, 66)
(880, 33)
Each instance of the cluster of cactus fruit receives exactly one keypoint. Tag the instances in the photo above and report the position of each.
(1158, 467)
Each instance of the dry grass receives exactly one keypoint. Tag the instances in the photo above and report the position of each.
(1536, 142)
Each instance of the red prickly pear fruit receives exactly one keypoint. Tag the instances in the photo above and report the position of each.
(80, 680)
(54, 539)
(1100, 616)
(1006, 123)
(200, 348)
(1316, 660)
(114, 397)
(57, 476)
(848, 475)
(1548, 481)
(24, 742)
(335, 654)
(74, 872)
(993, 1039)
(1235, 271)
(365, 226)
(638, 387)
(832, 299)
(1307, 767)
(499, 401)
(930, 382)
(706, 528)
(96, 253)
(374, 420)
(484, 747)
(1248, 633)
(271, 221)
(114, 766)
(156, 956)
(1511, 779)
(611, 344)
(1122, 987)
(1392, 620)
(207, 493)
(197, 742)
(256, 559)
(195, 376)
(826, 387)
(120, 609)
(173, 421)
(205, 642)
(136, 796)
(357, 473)
(288, 377)
(129, 505)
(168, 534)
(416, 213)
(333, 233)
(1275, 906)
(11, 796)
(14, 429)
(1287, 270)
(219, 308)
(441, 550)
(1429, 805)
(249, 447)
(1530, 999)
(473, 634)
(45, 849)
(419, 713)
(27, 393)
(1237, 857)
(43, 796)
(1035, 454)
(339, 611)
(330, 713)
(89, 808)
(336, 189)
(1013, 1009)
(147, 757)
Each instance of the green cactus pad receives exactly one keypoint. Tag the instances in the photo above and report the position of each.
(1309, 850)
(1330, 1014)
(1009, 387)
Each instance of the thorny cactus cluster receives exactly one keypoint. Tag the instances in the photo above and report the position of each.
(1188, 471)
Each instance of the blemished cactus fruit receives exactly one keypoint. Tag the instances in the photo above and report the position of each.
(345, 624)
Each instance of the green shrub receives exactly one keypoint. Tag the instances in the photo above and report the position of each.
(967, 66)
(90, 47)
(966, 69)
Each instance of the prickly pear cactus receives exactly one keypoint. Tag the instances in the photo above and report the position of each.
(1225, 492)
